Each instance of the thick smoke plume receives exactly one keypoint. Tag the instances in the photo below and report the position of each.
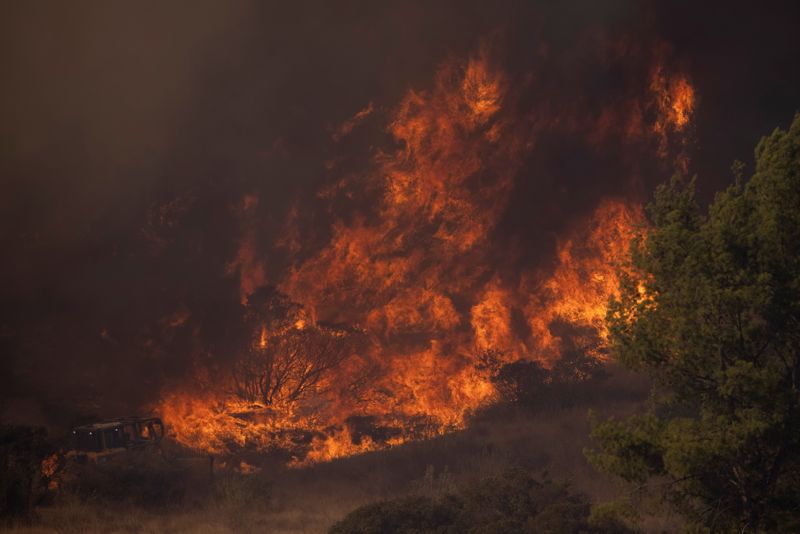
(453, 184)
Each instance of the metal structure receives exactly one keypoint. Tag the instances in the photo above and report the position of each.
(98, 442)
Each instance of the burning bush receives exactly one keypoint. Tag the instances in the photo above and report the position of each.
(288, 358)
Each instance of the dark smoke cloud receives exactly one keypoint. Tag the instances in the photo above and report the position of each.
(131, 132)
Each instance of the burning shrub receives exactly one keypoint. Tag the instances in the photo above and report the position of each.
(288, 358)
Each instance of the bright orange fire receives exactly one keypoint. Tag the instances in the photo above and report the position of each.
(415, 272)
(585, 276)
(675, 101)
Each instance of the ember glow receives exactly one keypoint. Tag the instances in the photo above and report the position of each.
(416, 272)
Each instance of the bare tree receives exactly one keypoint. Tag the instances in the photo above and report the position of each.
(288, 358)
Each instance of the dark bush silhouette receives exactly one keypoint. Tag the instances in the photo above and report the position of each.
(21, 452)
(140, 479)
(508, 503)
(285, 357)
(570, 379)
(523, 381)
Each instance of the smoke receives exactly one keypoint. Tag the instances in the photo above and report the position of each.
(133, 137)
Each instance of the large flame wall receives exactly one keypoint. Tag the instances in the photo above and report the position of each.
(419, 269)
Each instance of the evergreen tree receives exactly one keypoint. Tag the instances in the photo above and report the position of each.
(710, 309)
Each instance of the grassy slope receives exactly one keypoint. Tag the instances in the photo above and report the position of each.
(549, 439)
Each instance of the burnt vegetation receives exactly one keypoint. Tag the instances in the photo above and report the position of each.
(287, 357)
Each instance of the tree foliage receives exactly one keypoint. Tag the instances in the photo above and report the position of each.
(711, 311)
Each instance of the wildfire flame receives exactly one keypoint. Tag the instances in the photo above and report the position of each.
(586, 275)
(414, 270)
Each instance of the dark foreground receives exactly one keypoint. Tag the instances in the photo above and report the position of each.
(508, 449)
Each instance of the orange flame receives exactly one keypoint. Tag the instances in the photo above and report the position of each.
(675, 101)
(415, 271)
(585, 276)
(249, 267)
(262, 339)
(49, 468)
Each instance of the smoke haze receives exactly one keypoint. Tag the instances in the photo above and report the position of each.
(159, 162)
